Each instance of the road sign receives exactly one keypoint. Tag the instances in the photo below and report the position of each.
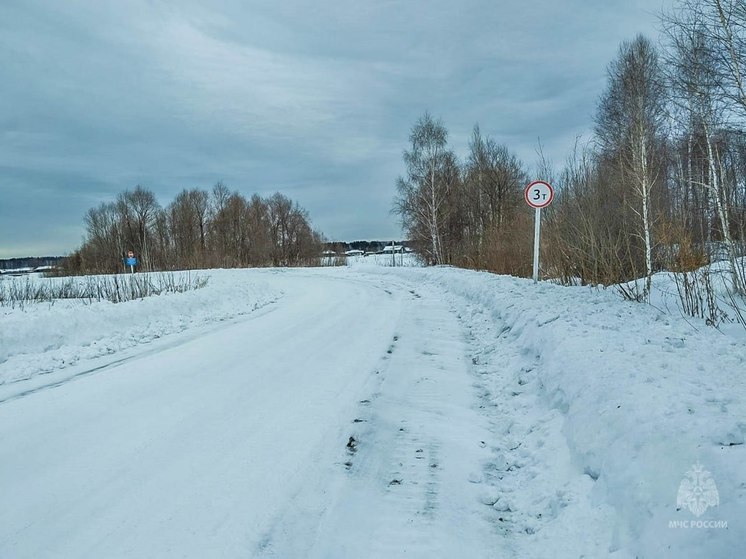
(539, 194)
(131, 261)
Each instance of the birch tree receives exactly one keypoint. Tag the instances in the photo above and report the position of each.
(629, 126)
(705, 69)
(422, 201)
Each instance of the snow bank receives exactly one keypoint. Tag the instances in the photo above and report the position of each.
(729, 311)
(44, 337)
(644, 397)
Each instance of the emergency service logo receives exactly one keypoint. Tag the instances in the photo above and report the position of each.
(697, 491)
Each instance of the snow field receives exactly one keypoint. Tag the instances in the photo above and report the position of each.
(406, 260)
(44, 337)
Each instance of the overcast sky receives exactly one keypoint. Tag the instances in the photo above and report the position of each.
(314, 99)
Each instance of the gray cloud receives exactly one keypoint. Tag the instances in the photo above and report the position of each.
(314, 99)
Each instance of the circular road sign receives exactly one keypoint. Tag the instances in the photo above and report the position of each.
(539, 194)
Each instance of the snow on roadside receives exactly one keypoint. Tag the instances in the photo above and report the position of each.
(730, 310)
(406, 260)
(641, 397)
(42, 338)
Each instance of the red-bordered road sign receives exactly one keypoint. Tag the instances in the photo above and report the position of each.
(539, 194)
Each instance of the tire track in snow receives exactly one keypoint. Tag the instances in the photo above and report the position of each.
(405, 486)
(191, 451)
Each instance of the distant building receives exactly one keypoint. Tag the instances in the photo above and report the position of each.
(388, 249)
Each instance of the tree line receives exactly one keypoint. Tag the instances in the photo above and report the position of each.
(198, 229)
(662, 183)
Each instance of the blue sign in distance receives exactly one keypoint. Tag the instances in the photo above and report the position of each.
(130, 261)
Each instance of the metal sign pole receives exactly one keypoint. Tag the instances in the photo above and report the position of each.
(538, 194)
(537, 236)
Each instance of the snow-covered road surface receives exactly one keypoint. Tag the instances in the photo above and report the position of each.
(236, 443)
(369, 412)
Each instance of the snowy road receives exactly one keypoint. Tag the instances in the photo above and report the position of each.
(368, 412)
(340, 421)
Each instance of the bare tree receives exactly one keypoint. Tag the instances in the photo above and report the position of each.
(188, 221)
(258, 222)
(494, 179)
(423, 192)
(219, 227)
(138, 209)
(104, 235)
(197, 229)
(704, 70)
(727, 20)
(293, 241)
(629, 126)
